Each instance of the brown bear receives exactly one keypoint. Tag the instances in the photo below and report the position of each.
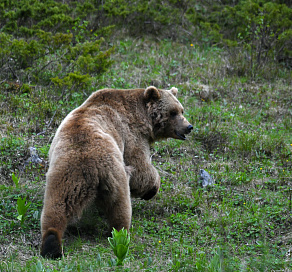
(101, 155)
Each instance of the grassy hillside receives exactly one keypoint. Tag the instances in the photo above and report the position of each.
(242, 136)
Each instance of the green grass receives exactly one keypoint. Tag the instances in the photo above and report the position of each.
(242, 137)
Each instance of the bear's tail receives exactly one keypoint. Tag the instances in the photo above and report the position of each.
(51, 245)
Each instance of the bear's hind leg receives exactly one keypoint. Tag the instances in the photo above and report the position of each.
(53, 223)
(51, 247)
(65, 199)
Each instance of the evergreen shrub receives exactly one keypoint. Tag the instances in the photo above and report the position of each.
(262, 28)
(49, 41)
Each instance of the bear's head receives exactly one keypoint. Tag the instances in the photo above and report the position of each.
(166, 113)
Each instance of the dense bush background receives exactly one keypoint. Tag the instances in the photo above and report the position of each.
(33, 31)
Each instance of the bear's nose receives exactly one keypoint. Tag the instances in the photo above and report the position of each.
(190, 128)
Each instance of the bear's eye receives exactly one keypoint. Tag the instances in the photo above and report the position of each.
(173, 113)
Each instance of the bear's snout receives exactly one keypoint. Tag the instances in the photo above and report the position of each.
(189, 128)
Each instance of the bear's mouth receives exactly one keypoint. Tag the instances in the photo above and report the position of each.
(181, 136)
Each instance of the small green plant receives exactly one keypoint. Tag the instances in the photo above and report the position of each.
(22, 208)
(120, 244)
(15, 180)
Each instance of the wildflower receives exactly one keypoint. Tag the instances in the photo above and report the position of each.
(159, 242)
(261, 168)
(192, 44)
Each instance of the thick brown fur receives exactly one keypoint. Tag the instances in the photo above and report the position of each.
(101, 154)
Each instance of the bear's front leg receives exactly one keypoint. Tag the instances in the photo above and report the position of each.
(152, 192)
(114, 198)
(119, 213)
(145, 180)
(153, 178)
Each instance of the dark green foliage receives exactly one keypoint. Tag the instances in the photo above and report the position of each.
(263, 28)
(147, 17)
(45, 39)
(39, 29)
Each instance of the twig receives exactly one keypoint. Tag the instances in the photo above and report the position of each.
(13, 72)
(6, 218)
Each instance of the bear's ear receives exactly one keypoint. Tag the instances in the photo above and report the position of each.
(174, 91)
(151, 93)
